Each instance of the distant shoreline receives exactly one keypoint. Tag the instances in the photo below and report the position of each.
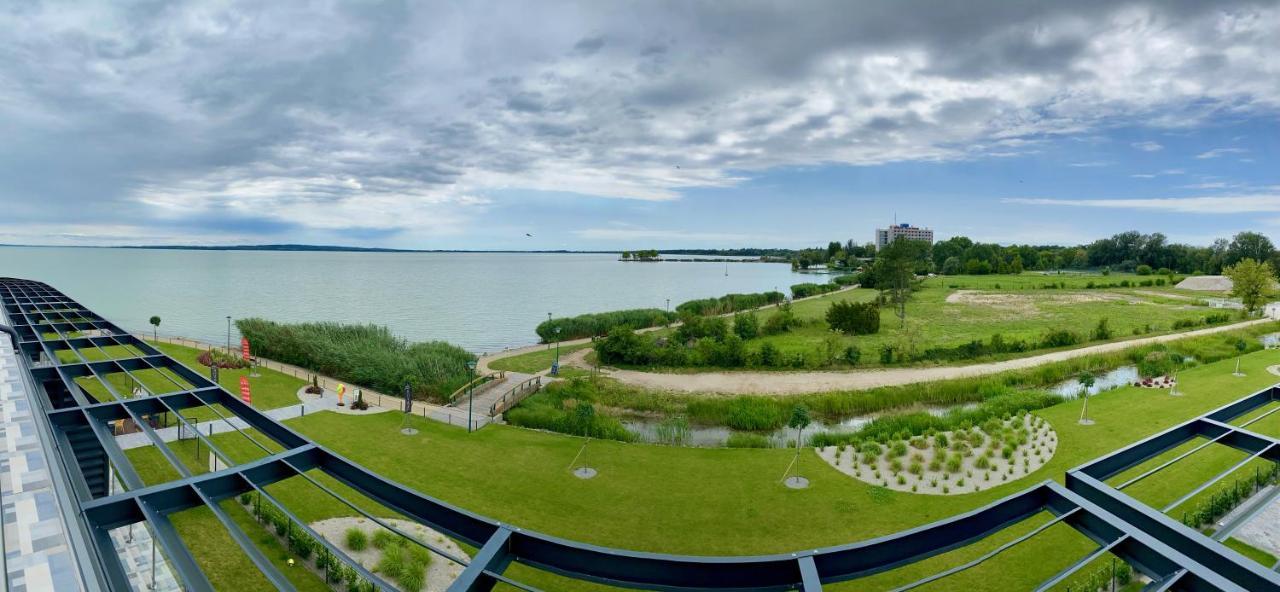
(345, 249)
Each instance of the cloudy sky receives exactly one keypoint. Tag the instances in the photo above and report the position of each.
(631, 125)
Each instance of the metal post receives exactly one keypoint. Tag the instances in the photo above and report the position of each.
(228, 334)
(471, 392)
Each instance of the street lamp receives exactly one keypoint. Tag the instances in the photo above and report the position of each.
(471, 390)
(228, 334)
(555, 367)
(548, 324)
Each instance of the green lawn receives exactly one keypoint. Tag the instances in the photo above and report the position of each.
(535, 361)
(1014, 306)
(730, 501)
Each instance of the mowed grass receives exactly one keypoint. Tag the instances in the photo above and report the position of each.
(1017, 309)
(731, 502)
(535, 361)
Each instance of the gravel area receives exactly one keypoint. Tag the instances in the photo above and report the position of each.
(440, 574)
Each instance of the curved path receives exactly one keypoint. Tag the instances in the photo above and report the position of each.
(795, 383)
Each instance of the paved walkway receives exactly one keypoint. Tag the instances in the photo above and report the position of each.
(795, 383)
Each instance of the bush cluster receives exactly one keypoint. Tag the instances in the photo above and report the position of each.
(221, 358)
(568, 407)
(301, 544)
(1004, 403)
(362, 354)
(811, 289)
(854, 318)
(601, 323)
(845, 280)
(729, 303)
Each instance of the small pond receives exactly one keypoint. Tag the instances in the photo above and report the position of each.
(649, 428)
(1122, 376)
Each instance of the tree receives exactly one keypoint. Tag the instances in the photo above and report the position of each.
(1086, 381)
(1251, 282)
(1240, 347)
(896, 271)
(798, 422)
(1249, 245)
(951, 266)
(155, 328)
(746, 325)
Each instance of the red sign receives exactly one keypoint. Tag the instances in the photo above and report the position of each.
(244, 391)
(244, 347)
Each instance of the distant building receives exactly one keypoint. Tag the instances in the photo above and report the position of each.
(884, 236)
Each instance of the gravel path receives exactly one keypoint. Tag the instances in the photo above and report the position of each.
(794, 383)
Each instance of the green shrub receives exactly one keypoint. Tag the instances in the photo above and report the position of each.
(1142, 270)
(729, 303)
(854, 318)
(811, 289)
(781, 321)
(357, 540)
(601, 323)
(845, 280)
(746, 325)
(750, 440)
(383, 537)
(362, 354)
(1059, 338)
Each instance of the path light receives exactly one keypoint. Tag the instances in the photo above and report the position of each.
(471, 390)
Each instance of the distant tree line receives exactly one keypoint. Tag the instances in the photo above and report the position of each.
(646, 255)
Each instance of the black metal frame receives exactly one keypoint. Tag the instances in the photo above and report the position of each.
(1175, 556)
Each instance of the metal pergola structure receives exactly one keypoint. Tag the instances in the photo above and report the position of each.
(63, 344)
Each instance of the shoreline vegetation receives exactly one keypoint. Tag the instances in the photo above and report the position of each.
(367, 355)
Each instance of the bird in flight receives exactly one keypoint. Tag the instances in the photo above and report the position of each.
(527, 234)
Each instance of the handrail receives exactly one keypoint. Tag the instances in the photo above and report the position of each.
(477, 381)
(516, 394)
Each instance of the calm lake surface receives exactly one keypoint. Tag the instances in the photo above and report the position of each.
(481, 301)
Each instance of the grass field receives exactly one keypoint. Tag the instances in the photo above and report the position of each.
(978, 307)
(535, 361)
(727, 501)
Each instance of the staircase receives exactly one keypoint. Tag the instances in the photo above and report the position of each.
(91, 459)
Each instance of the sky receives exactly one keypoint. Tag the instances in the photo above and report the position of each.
(629, 125)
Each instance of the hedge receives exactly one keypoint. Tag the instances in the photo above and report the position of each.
(601, 323)
(811, 289)
(729, 303)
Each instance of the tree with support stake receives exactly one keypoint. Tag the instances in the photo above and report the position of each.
(1086, 382)
(155, 328)
(798, 422)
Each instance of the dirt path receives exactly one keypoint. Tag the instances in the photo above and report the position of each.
(794, 383)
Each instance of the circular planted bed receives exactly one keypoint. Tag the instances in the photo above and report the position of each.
(946, 463)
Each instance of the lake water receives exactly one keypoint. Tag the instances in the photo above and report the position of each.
(481, 301)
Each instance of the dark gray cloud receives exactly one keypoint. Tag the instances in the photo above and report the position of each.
(370, 118)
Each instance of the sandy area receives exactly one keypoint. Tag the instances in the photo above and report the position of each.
(1026, 303)
(1026, 459)
(440, 574)
(794, 383)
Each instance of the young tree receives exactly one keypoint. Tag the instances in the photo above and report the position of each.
(1086, 383)
(1251, 282)
(798, 422)
(1240, 347)
(155, 328)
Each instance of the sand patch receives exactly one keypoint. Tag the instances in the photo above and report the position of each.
(971, 461)
(440, 573)
(1027, 304)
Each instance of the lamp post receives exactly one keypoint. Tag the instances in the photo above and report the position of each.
(228, 334)
(471, 390)
(555, 367)
(548, 324)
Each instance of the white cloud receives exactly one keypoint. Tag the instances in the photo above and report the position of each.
(343, 116)
(1216, 152)
(1237, 204)
(634, 234)
(1091, 164)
